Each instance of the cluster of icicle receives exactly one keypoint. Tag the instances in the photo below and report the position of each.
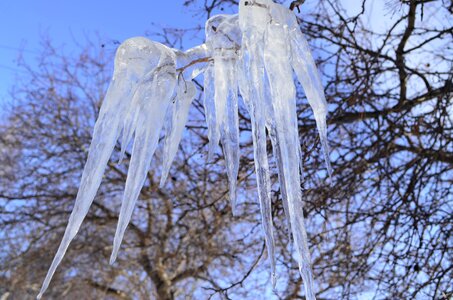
(254, 53)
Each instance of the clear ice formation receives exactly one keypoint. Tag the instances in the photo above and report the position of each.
(223, 40)
(255, 53)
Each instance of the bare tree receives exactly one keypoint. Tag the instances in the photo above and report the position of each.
(382, 228)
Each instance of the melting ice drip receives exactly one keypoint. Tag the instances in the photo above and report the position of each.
(254, 53)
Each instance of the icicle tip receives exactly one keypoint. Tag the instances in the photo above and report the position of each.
(112, 259)
(274, 281)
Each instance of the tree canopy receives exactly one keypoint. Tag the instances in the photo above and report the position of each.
(382, 227)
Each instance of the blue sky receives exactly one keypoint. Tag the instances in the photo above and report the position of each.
(23, 23)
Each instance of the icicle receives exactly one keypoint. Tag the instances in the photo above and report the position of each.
(186, 92)
(179, 109)
(271, 128)
(279, 71)
(305, 68)
(103, 142)
(223, 40)
(251, 20)
(105, 134)
(283, 103)
(230, 134)
(154, 94)
(133, 112)
(281, 176)
(212, 120)
(209, 108)
(226, 104)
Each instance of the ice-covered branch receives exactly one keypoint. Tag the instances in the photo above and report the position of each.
(255, 53)
(194, 62)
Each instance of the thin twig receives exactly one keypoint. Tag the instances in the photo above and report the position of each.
(196, 61)
(296, 3)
